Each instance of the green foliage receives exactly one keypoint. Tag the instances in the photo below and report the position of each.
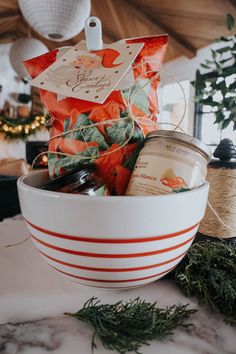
(85, 134)
(130, 163)
(121, 130)
(230, 22)
(221, 65)
(15, 122)
(139, 94)
(20, 128)
(126, 326)
(67, 163)
(208, 272)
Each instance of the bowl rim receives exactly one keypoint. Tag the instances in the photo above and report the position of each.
(21, 183)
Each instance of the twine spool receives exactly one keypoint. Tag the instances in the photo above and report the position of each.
(220, 217)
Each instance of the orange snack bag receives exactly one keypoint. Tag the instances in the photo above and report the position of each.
(79, 130)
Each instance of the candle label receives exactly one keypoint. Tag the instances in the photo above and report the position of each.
(155, 175)
(89, 75)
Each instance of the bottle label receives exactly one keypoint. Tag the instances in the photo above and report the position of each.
(100, 192)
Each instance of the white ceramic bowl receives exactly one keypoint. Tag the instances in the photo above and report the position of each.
(111, 242)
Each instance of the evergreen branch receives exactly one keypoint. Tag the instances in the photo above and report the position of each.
(126, 326)
(208, 272)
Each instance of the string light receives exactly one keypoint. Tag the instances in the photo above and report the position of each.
(29, 125)
(45, 159)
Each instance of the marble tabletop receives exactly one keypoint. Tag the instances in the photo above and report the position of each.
(33, 299)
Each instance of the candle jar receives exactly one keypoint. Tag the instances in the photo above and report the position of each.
(169, 162)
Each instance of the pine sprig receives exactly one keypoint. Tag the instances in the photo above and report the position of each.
(126, 326)
(208, 272)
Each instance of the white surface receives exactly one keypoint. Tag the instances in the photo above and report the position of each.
(183, 68)
(33, 299)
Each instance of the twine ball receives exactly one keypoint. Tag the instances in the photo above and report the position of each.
(220, 217)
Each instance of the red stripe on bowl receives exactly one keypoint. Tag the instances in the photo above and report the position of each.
(96, 269)
(127, 287)
(110, 240)
(102, 255)
(112, 280)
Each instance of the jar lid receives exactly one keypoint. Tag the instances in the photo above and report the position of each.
(184, 139)
(78, 174)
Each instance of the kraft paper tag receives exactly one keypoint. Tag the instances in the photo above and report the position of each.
(89, 75)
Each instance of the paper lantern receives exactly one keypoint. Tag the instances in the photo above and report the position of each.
(23, 49)
(57, 20)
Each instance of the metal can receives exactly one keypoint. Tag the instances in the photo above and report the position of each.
(169, 162)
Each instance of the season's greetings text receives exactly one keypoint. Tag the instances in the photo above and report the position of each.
(81, 82)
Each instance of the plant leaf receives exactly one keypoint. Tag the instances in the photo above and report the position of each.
(210, 61)
(232, 86)
(222, 87)
(228, 71)
(219, 117)
(119, 131)
(230, 21)
(232, 116)
(224, 49)
(67, 163)
(87, 134)
(225, 39)
(226, 123)
(223, 61)
(209, 101)
(205, 66)
(139, 95)
(214, 55)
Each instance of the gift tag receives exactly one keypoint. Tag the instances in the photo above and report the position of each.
(88, 75)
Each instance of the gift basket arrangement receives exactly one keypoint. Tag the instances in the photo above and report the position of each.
(122, 199)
